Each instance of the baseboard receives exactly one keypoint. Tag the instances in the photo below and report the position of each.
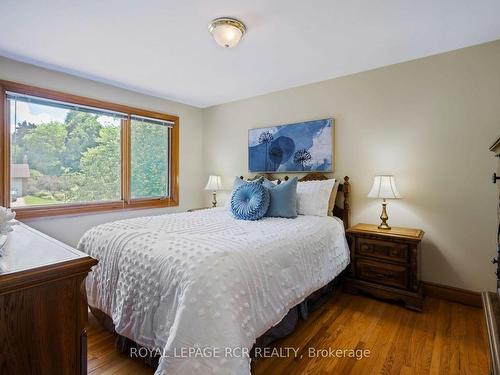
(467, 297)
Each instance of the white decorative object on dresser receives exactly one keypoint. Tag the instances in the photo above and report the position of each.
(6, 223)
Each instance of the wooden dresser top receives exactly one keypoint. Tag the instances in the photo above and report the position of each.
(394, 232)
(33, 257)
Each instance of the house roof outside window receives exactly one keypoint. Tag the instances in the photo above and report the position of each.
(19, 171)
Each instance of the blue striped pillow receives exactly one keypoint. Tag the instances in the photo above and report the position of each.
(250, 201)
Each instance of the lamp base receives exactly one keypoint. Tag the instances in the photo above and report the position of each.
(384, 226)
(214, 199)
(384, 217)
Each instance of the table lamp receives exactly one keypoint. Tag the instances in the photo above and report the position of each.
(384, 187)
(214, 184)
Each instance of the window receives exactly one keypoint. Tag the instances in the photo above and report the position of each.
(60, 154)
(149, 157)
(67, 154)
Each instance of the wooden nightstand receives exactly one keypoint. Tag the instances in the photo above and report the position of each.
(386, 263)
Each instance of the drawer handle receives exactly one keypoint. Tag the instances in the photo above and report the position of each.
(380, 274)
(365, 248)
(494, 178)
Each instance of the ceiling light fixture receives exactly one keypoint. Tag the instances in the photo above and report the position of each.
(227, 32)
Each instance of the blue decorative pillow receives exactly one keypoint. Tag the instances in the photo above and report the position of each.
(250, 201)
(238, 182)
(283, 198)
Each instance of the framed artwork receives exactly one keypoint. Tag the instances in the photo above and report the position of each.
(303, 146)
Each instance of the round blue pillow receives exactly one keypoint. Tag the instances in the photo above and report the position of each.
(250, 202)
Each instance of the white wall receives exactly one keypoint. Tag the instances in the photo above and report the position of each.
(429, 122)
(70, 229)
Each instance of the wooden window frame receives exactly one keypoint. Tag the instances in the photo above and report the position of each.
(126, 202)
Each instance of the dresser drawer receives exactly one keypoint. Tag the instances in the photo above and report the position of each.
(382, 273)
(394, 251)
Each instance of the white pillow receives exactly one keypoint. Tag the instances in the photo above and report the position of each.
(333, 198)
(313, 197)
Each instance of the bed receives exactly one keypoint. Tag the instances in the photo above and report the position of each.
(200, 288)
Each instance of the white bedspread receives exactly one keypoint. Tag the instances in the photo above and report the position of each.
(205, 280)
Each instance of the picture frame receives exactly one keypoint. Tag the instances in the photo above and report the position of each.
(296, 147)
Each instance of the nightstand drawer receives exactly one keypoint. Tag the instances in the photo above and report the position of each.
(382, 273)
(382, 249)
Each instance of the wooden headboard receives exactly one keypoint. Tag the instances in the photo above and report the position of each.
(341, 212)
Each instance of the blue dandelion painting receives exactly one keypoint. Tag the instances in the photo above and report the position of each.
(304, 146)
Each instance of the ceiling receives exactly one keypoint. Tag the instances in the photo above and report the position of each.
(163, 48)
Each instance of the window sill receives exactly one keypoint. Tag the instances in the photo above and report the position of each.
(90, 208)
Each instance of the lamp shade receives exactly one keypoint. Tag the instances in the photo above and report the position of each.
(214, 183)
(384, 187)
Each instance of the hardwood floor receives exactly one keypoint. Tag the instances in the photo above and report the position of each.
(447, 338)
